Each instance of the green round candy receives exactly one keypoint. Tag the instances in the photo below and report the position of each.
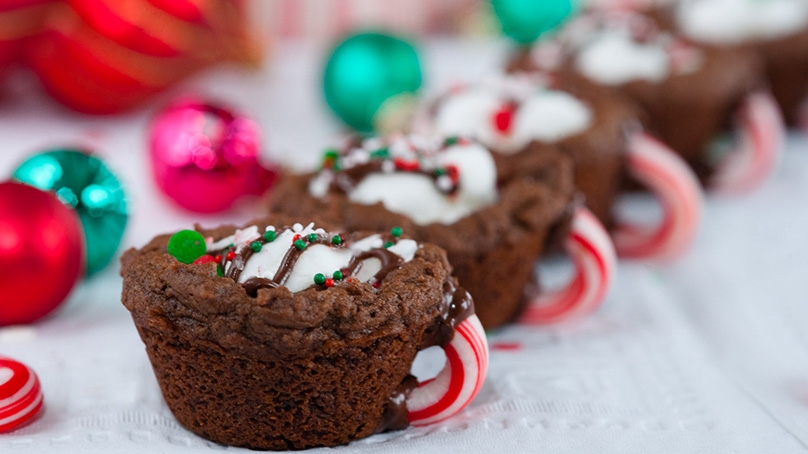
(364, 72)
(83, 182)
(187, 246)
(319, 279)
(525, 20)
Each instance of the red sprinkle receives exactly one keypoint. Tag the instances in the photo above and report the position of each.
(204, 259)
(405, 165)
(503, 119)
(506, 346)
(329, 282)
(296, 237)
(218, 258)
(453, 172)
(231, 255)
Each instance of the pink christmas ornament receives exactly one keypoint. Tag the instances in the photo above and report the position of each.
(205, 157)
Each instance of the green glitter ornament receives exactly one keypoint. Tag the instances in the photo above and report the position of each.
(187, 246)
(525, 20)
(86, 184)
(368, 77)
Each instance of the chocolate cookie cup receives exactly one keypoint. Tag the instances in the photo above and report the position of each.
(284, 336)
(708, 104)
(444, 191)
(777, 31)
(523, 117)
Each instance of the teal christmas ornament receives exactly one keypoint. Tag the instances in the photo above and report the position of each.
(370, 79)
(525, 20)
(83, 182)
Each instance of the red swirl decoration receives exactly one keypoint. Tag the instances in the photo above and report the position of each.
(106, 56)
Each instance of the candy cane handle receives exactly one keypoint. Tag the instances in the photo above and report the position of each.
(459, 381)
(677, 190)
(20, 395)
(761, 134)
(591, 250)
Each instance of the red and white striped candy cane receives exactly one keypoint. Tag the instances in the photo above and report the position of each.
(676, 188)
(20, 395)
(592, 252)
(459, 381)
(760, 142)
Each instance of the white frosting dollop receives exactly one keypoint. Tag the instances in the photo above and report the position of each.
(543, 115)
(418, 197)
(316, 258)
(739, 21)
(614, 58)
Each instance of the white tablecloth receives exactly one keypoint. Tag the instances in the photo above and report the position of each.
(709, 354)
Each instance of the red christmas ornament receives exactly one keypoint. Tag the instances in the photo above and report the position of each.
(41, 253)
(105, 56)
(20, 21)
(20, 395)
(205, 157)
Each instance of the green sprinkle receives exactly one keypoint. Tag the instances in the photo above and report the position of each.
(256, 246)
(388, 244)
(396, 231)
(337, 275)
(331, 159)
(312, 237)
(440, 171)
(450, 141)
(336, 239)
(381, 153)
(319, 279)
(187, 246)
(270, 235)
(300, 245)
(219, 270)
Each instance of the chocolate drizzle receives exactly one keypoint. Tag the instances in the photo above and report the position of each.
(458, 306)
(239, 255)
(253, 284)
(389, 261)
(395, 412)
(345, 178)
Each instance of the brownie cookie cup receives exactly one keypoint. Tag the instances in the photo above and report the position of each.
(523, 117)
(777, 30)
(708, 104)
(445, 192)
(282, 336)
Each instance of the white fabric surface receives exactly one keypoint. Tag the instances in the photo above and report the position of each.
(706, 355)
